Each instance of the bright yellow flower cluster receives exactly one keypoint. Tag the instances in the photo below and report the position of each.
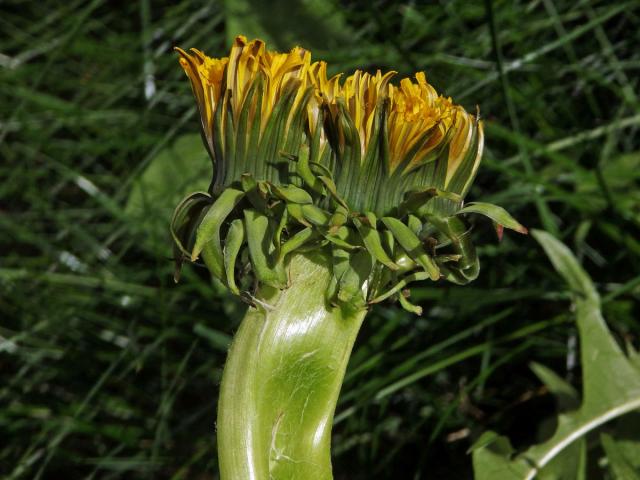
(418, 120)
(228, 81)
(416, 110)
(372, 172)
(361, 94)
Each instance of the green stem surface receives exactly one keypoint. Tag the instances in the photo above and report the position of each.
(282, 379)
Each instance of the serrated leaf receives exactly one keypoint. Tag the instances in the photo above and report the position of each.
(566, 396)
(570, 464)
(491, 459)
(567, 266)
(492, 454)
(611, 385)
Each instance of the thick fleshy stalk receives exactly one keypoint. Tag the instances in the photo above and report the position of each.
(282, 379)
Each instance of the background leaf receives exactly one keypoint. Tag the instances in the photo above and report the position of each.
(179, 169)
(611, 385)
(618, 463)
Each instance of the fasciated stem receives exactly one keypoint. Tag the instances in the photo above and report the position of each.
(282, 379)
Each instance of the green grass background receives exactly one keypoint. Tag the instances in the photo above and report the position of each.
(110, 370)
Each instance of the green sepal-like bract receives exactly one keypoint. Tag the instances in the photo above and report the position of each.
(252, 228)
(297, 168)
(208, 231)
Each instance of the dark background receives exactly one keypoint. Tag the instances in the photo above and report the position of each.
(110, 370)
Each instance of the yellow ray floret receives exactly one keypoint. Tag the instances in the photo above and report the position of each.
(417, 119)
(207, 81)
(360, 94)
(226, 82)
(417, 114)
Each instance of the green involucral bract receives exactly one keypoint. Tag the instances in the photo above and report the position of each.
(302, 163)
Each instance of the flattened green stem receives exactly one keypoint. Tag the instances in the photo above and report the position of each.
(282, 379)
